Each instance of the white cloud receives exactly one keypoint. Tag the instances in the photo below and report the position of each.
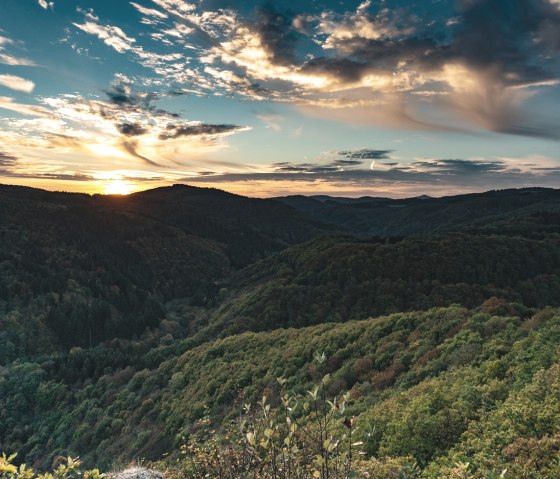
(46, 5)
(111, 35)
(149, 11)
(17, 83)
(8, 59)
(8, 103)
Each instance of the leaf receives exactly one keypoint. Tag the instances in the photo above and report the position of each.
(314, 393)
(251, 439)
(320, 358)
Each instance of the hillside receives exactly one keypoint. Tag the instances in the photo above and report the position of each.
(139, 326)
(500, 211)
(343, 278)
(77, 269)
(427, 382)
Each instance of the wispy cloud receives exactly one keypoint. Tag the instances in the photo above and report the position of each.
(10, 59)
(111, 35)
(8, 103)
(17, 83)
(149, 11)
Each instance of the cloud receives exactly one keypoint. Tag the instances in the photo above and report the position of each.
(173, 131)
(45, 4)
(126, 125)
(149, 11)
(131, 147)
(9, 59)
(371, 65)
(111, 35)
(433, 176)
(277, 34)
(7, 160)
(8, 103)
(273, 120)
(17, 83)
(131, 129)
(366, 154)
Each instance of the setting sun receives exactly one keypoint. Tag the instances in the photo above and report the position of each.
(118, 187)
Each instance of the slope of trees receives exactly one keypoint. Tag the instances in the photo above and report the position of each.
(421, 384)
(76, 270)
(141, 326)
(339, 279)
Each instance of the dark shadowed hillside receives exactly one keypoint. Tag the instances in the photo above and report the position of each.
(494, 211)
(77, 269)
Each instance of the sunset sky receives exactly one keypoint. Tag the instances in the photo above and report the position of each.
(381, 98)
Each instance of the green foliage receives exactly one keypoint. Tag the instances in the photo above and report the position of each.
(67, 468)
(77, 270)
(355, 279)
(417, 383)
(306, 435)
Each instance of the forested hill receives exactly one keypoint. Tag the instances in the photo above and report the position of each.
(78, 269)
(129, 325)
(514, 211)
(343, 278)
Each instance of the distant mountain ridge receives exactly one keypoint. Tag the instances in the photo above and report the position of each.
(496, 209)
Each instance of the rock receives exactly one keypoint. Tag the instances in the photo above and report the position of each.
(136, 473)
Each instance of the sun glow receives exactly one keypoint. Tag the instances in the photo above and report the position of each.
(118, 186)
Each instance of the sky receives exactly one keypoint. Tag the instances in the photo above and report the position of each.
(349, 98)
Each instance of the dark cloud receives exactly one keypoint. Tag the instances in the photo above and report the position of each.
(344, 69)
(123, 96)
(47, 176)
(201, 129)
(7, 160)
(352, 158)
(460, 167)
(121, 93)
(131, 129)
(546, 132)
(277, 33)
(286, 166)
(513, 36)
(347, 162)
(366, 154)
(80, 177)
(131, 147)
